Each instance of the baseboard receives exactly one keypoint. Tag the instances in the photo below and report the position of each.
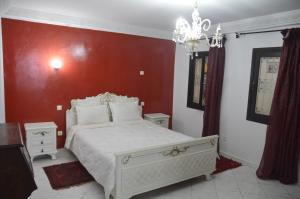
(238, 159)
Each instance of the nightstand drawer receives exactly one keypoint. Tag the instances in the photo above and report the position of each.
(42, 133)
(162, 122)
(41, 149)
(42, 141)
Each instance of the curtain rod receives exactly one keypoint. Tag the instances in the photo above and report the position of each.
(296, 24)
(211, 36)
(238, 34)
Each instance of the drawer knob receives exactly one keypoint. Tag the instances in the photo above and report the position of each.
(42, 142)
(42, 151)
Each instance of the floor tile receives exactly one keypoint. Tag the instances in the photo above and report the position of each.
(203, 186)
(156, 194)
(244, 174)
(179, 191)
(293, 190)
(275, 190)
(204, 190)
(255, 196)
(229, 195)
(43, 194)
(250, 188)
(229, 186)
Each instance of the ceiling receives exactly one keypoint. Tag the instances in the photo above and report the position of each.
(158, 14)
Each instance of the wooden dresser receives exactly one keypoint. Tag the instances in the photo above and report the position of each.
(16, 173)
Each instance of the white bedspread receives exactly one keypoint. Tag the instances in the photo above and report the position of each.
(95, 145)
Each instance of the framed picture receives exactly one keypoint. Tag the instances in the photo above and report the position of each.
(264, 70)
(197, 79)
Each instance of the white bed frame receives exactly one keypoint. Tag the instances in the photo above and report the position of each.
(144, 170)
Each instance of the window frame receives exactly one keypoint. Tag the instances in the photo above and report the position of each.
(257, 54)
(190, 103)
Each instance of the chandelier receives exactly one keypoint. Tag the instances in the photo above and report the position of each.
(190, 37)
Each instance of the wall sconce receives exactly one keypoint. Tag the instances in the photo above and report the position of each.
(56, 63)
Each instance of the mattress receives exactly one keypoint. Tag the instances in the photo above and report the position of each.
(95, 145)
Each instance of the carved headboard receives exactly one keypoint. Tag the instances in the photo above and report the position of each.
(104, 98)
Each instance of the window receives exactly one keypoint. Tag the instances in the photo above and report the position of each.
(197, 79)
(264, 70)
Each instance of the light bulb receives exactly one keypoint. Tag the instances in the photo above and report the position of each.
(56, 63)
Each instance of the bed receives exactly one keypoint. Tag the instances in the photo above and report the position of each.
(137, 156)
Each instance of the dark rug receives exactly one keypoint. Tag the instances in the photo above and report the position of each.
(67, 175)
(224, 164)
(73, 173)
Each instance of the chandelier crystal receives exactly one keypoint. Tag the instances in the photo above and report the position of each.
(190, 36)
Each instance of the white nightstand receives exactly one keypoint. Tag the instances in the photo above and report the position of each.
(158, 118)
(41, 139)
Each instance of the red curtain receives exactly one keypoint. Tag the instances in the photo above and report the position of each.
(280, 157)
(213, 91)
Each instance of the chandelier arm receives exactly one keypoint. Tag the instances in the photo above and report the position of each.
(205, 24)
(182, 30)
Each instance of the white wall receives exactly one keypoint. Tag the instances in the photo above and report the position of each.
(2, 107)
(4, 4)
(240, 138)
(185, 119)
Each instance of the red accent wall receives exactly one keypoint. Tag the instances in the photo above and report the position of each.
(93, 62)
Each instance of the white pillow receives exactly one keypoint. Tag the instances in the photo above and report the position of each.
(92, 114)
(125, 111)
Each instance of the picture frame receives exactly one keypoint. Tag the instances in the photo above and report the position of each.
(264, 70)
(197, 79)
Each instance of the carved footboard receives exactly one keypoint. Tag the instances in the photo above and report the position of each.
(155, 167)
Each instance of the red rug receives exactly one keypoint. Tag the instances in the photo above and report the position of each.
(73, 173)
(224, 164)
(67, 175)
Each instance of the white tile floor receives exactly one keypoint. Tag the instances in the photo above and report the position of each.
(240, 183)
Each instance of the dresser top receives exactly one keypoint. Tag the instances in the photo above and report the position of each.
(156, 115)
(39, 125)
(10, 135)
